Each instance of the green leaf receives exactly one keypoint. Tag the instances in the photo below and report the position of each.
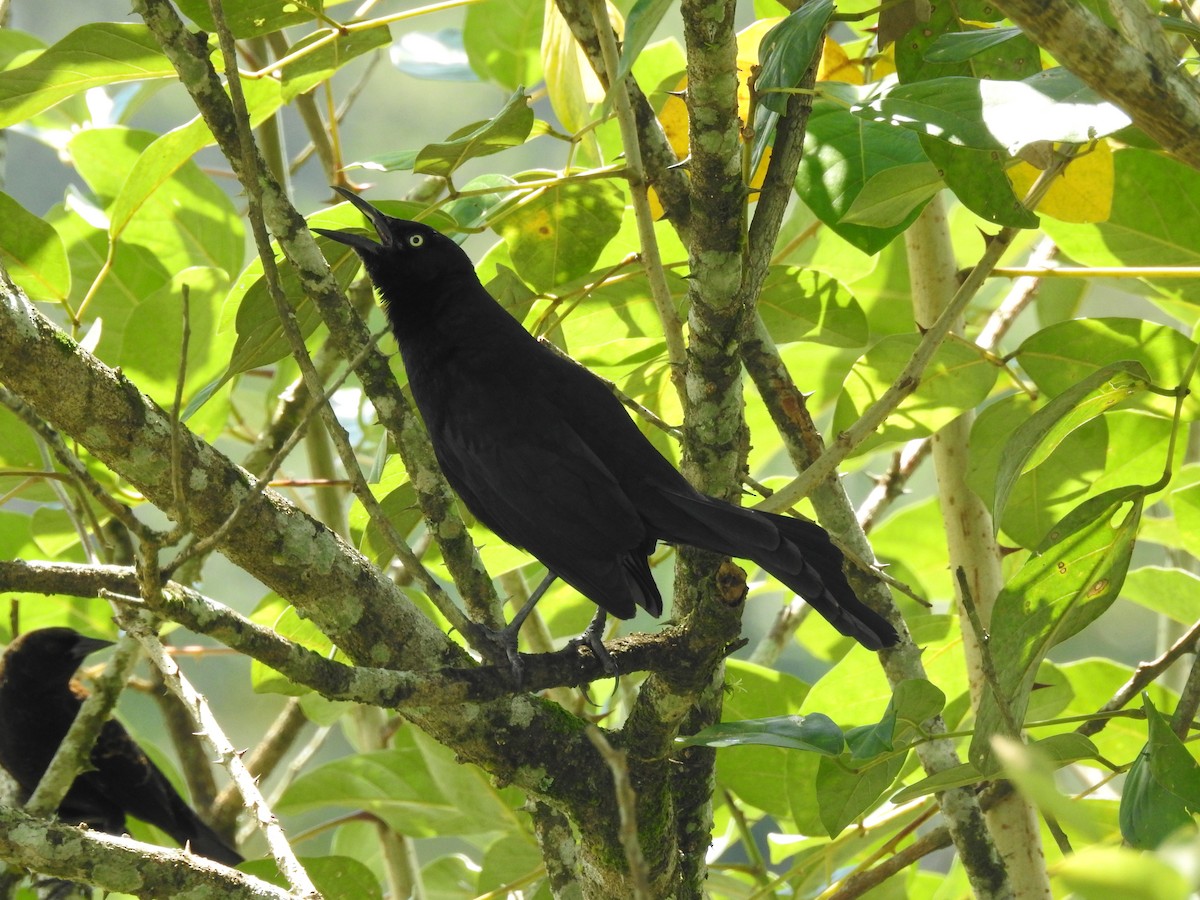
(844, 795)
(957, 379)
(640, 25)
(814, 733)
(558, 235)
(390, 161)
(166, 155)
(787, 51)
(962, 45)
(503, 41)
(1060, 355)
(1170, 592)
(33, 253)
(1102, 873)
(417, 788)
(1171, 764)
(153, 336)
(281, 617)
(914, 701)
(1121, 448)
(470, 212)
(1160, 790)
(18, 48)
(1053, 596)
(889, 197)
(977, 179)
(514, 859)
(335, 877)
(954, 777)
(985, 114)
(95, 55)
(186, 221)
(801, 304)
(251, 18)
(1037, 438)
(509, 128)
(133, 273)
(571, 88)
(335, 51)
(399, 504)
(1066, 748)
(842, 153)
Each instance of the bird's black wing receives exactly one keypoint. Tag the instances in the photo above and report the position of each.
(527, 475)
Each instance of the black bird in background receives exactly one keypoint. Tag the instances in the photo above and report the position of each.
(39, 700)
(545, 456)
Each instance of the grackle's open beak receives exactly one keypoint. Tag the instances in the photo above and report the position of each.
(358, 241)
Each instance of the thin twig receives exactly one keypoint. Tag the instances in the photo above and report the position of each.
(210, 731)
(1189, 700)
(983, 640)
(660, 291)
(618, 764)
(1143, 675)
(263, 759)
(181, 507)
(71, 463)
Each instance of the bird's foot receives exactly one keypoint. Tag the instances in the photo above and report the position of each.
(593, 639)
(500, 647)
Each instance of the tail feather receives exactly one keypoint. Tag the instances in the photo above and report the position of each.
(836, 602)
(188, 828)
(798, 553)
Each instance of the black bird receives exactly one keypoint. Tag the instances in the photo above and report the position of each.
(545, 456)
(39, 700)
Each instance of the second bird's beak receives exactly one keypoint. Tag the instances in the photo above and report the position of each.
(358, 241)
(86, 646)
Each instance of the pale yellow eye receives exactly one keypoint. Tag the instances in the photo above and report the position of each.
(416, 240)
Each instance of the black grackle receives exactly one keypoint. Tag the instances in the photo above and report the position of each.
(545, 456)
(39, 699)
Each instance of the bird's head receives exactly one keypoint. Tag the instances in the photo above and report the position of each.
(408, 258)
(60, 650)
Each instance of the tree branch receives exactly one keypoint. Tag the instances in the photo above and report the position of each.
(121, 865)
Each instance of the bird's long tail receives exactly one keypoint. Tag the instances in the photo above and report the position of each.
(189, 828)
(798, 553)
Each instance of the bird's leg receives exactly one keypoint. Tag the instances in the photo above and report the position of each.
(506, 638)
(593, 639)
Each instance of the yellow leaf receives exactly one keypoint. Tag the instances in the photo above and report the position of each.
(1082, 194)
(749, 38)
(836, 65)
(674, 120)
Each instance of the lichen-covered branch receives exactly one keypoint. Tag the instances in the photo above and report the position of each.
(121, 865)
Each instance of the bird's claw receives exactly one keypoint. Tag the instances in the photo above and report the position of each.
(593, 639)
(500, 647)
